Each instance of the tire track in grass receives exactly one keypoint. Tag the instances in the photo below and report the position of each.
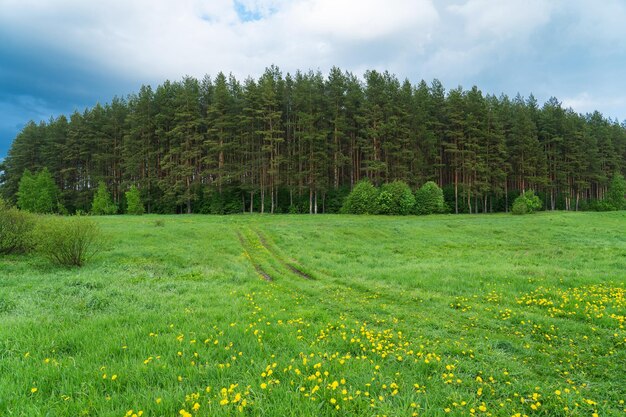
(381, 297)
(272, 250)
(372, 295)
(259, 270)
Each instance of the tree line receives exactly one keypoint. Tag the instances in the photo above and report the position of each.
(299, 143)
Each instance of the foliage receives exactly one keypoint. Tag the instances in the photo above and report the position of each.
(519, 206)
(362, 199)
(308, 136)
(68, 241)
(37, 192)
(395, 198)
(226, 202)
(600, 205)
(133, 202)
(15, 230)
(526, 203)
(429, 199)
(102, 204)
(616, 195)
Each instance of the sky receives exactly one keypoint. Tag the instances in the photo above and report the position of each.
(57, 56)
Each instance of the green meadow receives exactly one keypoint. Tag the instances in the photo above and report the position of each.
(251, 315)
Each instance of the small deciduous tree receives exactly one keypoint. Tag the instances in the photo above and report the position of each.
(429, 199)
(526, 203)
(362, 199)
(616, 195)
(133, 202)
(37, 193)
(395, 198)
(102, 203)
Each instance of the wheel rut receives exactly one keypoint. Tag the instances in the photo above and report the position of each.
(259, 270)
(290, 265)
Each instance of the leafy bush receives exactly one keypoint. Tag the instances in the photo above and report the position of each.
(68, 241)
(526, 203)
(38, 193)
(395, 198)
(429, 199)
(133, 202)
(616, 195)
(15, 230)
(519, 206)
(362, 199)
(102, 203)
(600, 205)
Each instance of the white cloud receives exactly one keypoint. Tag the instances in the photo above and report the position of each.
(586, 102)
(366, 19)
(161, 38)
(459, 41)
(503, 19)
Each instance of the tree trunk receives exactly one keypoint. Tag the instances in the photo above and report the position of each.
(456, 191)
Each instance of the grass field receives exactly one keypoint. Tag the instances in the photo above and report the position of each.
(485, 315)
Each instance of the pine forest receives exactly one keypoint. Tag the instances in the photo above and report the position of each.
(298, 143)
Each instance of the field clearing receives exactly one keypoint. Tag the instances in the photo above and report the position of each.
(485, 315)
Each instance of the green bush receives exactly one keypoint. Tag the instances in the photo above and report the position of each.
(519, 206)
(15, 230)
(362, 199)
(395, 198)
(600, 205)
(429, 199)
(102, 203)
(616, 195)
(133, 202)
(68, 241)
(526, 203)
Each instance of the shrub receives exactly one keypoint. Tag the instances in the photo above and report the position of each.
(395, 198)
(526, 203)
(429, 199)
(68, 241)
(519, 206)
(15, 230)
(600, 205)
(362, 199)
(133, 202)
(102, 203)
(616, 195)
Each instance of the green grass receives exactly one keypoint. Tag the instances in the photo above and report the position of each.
(437, 315)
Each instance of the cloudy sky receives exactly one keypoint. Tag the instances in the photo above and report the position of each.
(60, 55)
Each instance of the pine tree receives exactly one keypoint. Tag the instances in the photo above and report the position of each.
(301, 142)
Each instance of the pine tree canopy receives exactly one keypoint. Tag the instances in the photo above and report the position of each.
(300, 143)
